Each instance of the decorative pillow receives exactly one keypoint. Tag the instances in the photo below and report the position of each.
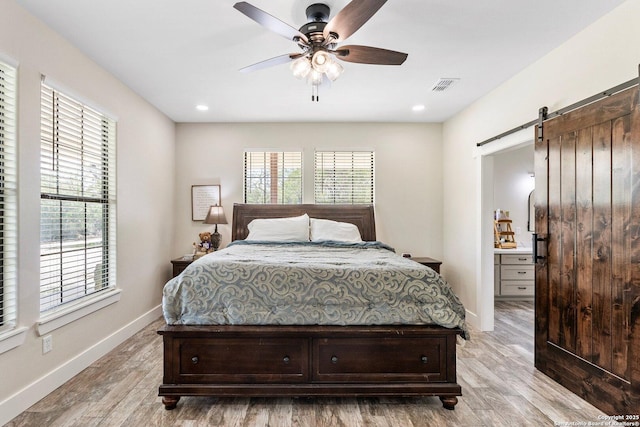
(325, 229)
(294, 229)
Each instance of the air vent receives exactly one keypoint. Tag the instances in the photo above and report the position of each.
(443, 84)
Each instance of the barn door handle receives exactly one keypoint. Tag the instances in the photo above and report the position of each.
(535, 239)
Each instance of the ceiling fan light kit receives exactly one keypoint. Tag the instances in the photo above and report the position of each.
(320, 61)
(334, 70)
(318, 41)
(300, 67)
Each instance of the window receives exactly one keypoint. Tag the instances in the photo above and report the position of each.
(343, 177)
(272, 177)
(8, 202)
(77, 201)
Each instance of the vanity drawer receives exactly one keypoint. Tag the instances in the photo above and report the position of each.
(517, 272)
(517, 259)
(517, 288)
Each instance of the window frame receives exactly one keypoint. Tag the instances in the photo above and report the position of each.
(8, 200)
(65, 115)
(274, 163)
(326, 179)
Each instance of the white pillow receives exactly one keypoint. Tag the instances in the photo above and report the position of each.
(325, 229)
(294, 229)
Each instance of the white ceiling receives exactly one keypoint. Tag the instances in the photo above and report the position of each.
(177, 54)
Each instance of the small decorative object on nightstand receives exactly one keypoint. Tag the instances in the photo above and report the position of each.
(434, 264)
(180, 264)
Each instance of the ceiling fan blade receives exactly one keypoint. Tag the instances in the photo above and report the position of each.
(270, 22)
(282, 59)
(351, 18)
(370, 55)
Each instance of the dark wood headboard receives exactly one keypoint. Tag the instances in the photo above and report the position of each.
(360, 215)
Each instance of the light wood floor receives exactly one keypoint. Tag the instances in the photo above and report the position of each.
(499, 384)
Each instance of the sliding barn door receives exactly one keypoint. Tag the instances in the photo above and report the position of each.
(588, 281)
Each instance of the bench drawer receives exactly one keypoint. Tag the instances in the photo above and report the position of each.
(379, 359)
(254, 360)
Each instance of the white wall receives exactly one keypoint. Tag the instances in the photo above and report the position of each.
(145, 176)
(512, 184)
(427, 185)
(603, 55)
(408, 174)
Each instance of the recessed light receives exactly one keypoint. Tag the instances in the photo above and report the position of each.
(202, 107)
(419, 107)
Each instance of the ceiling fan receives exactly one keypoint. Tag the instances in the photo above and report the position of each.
(318, 40)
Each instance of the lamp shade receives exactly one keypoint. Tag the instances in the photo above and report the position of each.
(320, 61)
(301, 67)
(314, 77)
(334, 70)
(215, 216)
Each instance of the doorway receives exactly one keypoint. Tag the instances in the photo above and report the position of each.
(486, 279)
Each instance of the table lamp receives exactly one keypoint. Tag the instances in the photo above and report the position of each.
(215, 216)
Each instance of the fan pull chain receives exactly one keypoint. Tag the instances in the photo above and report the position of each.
(315, 96)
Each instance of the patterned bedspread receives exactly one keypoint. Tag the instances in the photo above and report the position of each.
(259, 283)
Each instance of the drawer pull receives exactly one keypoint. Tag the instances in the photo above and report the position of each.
(194, 360)
(522, 272)
(522, 259)
(522, 288)
(424, 359)
(334, 359)
(286, 360)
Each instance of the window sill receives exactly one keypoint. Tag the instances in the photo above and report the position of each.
(12, 339)
(66, 315)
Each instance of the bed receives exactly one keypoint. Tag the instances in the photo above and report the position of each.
(226, 341)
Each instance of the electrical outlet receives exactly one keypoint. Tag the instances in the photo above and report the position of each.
(518, 230)
(47, 344)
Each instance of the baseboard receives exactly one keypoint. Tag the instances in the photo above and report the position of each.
(472, 319)
(25, 398)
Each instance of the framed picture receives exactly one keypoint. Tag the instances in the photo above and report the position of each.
(203, 196)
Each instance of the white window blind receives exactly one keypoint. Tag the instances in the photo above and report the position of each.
(77, 202)
(344, 177)
(8, 199)
(273, 177)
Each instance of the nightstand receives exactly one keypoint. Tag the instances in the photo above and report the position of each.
(429, 262)
(179, 265)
